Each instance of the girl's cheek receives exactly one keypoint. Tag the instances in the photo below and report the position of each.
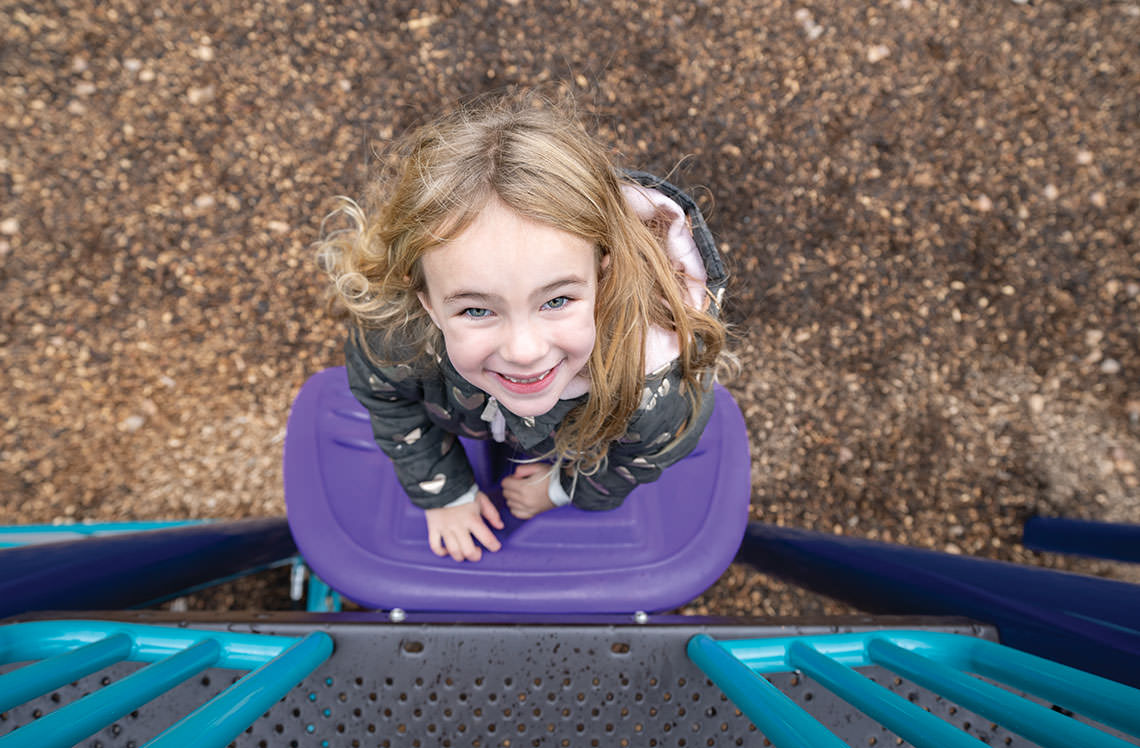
(588, 320)
(476, 341)
(583, 331)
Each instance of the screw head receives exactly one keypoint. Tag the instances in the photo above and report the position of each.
(396, 615)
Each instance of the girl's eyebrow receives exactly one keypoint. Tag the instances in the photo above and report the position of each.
(570, 280)
(464, 295)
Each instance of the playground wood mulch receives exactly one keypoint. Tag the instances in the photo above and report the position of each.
(930, 210)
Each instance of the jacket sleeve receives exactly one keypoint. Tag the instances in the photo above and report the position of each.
(650, 445)
(429, 460)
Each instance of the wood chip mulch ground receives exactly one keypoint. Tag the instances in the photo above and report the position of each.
(930, 210)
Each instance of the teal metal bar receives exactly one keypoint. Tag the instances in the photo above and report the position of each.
(780, 719)
(321, 597)
(1105, 701)
(918, 726)
(70, 724)
(38, 640)
(220, 720)
(771, 655)
(1044, 726)
(15, 536)
(68, 650)
(40, 677)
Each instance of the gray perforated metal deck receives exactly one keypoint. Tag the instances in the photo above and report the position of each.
(477, 682)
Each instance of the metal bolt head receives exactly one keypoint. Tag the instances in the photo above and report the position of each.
(297, 581)
(396, 615)
(641, 617)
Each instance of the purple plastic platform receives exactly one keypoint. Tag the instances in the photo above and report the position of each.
(358, 531)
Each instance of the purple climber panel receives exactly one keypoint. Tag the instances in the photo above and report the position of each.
(359, 532)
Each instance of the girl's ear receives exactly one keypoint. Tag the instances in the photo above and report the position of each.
(427, 307)
(605, 263)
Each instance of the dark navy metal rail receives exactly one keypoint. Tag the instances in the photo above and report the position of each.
(136, 569)
(1084, 538)
(1086, 622)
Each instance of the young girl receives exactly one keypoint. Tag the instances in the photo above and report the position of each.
(510, 284)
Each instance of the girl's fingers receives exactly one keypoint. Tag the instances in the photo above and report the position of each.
(528, 469)
(470, 551)
(455, 534)
(518, 486)
(519, 509)
(484, 535)
(454, 545)
(436, 544)
(490, 513)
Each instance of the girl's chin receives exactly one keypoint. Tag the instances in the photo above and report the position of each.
(528, 410)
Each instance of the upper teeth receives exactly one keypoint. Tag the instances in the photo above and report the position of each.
(526, 381)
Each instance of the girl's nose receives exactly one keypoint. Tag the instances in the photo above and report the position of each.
(525, 345)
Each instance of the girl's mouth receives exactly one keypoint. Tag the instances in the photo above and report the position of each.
(528, 385)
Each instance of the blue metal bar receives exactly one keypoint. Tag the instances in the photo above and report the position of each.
(1044, 726)
(918, 726)
(220, 720)
(1097, 539)
(1089, 623)
(89, 574)
(40, 677)
(70, 724)
(780, 719)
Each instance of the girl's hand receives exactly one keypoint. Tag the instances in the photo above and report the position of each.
(525, 490)
(450, 529)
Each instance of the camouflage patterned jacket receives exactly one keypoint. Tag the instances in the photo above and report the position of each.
(416, 418)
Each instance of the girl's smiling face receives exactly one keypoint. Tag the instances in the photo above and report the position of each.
(514, 299)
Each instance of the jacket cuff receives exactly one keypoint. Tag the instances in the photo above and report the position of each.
(555, 492)
(467, 497)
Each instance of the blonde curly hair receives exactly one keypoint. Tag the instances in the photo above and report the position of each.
(533, 154)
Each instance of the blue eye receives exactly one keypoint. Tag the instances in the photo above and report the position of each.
(474, 312)
(556, 303)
